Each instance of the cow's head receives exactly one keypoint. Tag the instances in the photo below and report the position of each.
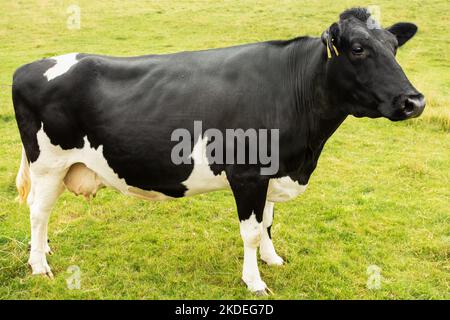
(362, 71)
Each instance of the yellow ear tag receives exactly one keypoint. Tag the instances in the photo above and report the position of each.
(328, 51)
(335, 50)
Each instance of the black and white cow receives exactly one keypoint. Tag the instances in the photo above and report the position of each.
(88, 121)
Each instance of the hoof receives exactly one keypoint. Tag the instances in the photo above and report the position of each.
(257, 286)
(261, 293)
(39, 265)
(41, 271)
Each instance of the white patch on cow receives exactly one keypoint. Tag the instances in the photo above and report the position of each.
(53, 157)
(63, 64)
(266, 248)
(202, 179)
(251, 236)
(284, 189)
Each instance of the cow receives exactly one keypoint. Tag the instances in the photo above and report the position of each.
(89, 121)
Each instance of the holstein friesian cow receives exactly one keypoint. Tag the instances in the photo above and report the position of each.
(88, 121)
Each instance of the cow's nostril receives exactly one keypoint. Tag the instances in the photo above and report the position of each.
(410, 106)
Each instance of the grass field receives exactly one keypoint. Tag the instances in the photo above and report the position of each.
(380, 195)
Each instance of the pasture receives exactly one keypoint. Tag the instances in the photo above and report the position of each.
(379, 196)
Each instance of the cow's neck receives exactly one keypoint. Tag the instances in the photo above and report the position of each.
(316, 118)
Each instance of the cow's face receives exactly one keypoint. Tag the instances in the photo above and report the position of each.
(362, 70)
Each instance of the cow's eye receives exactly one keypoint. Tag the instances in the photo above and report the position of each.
(357, 50)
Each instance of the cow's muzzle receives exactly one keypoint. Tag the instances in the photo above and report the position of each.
(408, 106)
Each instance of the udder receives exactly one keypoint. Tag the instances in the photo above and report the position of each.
(82, 181)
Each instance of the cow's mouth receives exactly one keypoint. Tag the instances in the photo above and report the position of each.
(405, 114)
(400, 116)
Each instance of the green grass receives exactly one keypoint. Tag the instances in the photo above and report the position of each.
(380, 194)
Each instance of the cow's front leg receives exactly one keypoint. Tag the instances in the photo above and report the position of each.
(266, 249)
(250, 199)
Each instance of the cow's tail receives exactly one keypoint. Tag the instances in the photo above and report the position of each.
(23, 181)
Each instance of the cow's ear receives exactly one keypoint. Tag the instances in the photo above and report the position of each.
(403, 31)
(330, 39)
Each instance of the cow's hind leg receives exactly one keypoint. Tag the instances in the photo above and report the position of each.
(45, 190)
(266, 248)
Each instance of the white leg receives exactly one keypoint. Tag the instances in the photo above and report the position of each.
(45, 190)
(267, 250)
(47, 249)
(251, 236)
